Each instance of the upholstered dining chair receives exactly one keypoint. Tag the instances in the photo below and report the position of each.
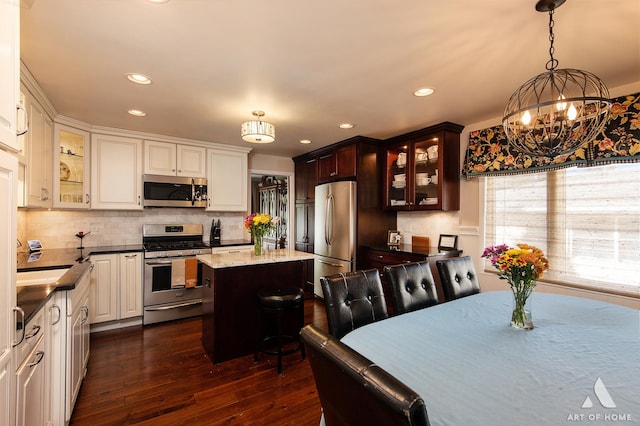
(458, 277)
(353, 390)
(353, 299)
(412, 286)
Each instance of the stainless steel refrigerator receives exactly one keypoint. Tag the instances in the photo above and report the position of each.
(335, 230)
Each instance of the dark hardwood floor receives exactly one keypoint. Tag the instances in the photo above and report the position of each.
(161, 375)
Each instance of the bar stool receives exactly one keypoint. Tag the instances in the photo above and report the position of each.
(275, 306)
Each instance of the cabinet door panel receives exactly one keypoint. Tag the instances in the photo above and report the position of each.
(227, 182)
(104, 288)
(130, 285)
(191, 161)
(71, 168)
(9, 71)
(159, 158)
(8, 213)
(116, 173)
(31, 381)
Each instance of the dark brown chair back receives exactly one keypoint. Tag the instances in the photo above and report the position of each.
(353, 390)
(352, 300)
(458, 277)
(412, 286)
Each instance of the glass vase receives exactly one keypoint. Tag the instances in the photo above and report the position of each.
(521, 315)
(257, 245)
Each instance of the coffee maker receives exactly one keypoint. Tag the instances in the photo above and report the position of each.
(214, 236)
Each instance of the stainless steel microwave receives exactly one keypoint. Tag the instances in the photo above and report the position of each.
(174, 191)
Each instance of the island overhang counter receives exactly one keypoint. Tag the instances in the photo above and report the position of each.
(230, 283)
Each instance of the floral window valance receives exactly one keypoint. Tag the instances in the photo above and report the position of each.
(489, 153)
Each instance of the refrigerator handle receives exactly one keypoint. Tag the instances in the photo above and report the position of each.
(329, 222)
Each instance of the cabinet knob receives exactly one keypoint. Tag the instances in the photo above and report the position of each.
(333, 173)
(380, 257)
(87, 198)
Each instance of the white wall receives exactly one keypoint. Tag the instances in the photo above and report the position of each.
(468, 223)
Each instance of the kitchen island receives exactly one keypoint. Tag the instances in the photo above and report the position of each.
(230, 285)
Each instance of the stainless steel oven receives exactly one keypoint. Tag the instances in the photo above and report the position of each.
(164, 246)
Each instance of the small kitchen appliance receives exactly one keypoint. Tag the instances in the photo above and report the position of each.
(214, 236)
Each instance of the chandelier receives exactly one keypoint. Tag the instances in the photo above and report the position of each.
(258, 131)
(558, 111)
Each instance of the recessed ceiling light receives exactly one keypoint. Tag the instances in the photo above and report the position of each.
(305, 141)
(424, 91)
(138, 78)
(346, 125)
(137, 112)
(158, 1)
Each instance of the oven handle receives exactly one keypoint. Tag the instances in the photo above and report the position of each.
(166, 308)
(164, 262)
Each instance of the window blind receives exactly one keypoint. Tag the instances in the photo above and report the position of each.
(586, 220)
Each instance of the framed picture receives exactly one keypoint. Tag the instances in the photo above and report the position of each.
(34, 245)
(393, 238)
(448, 242)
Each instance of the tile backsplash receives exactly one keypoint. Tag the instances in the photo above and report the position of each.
(57, 228)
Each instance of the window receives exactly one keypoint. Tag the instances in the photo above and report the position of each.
(586, 220)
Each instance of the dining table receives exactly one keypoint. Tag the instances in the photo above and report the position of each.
(580, 364)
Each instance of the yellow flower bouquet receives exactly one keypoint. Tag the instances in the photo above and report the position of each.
(521, 267)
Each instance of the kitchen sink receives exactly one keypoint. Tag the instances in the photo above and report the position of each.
(48, 276)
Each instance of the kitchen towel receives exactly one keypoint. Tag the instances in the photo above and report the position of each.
(177, 273)
(191, 272)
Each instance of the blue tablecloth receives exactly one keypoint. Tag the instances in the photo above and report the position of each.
(472, 368)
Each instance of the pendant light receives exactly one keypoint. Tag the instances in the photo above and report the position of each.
(558, 111)
(258, 131)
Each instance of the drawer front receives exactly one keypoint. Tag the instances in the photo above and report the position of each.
(32, 335)
(380, 258)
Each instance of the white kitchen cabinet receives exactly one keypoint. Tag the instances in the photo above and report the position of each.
(77, 346)
(9, 72)
(104, 288)
(38, 147)
(8, 213)
(30, 377)
(116, 287)
(71, 165)
(130, 265)
(170, 159)
(227, 180)
(116, 173)
(55, 344)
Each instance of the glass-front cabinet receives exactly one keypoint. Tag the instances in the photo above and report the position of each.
(422, 170)
(71, 170)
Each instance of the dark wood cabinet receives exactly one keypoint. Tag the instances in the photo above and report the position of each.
(378, 258)
(356, 159)
(422, 169)
(306, 179)
(304, 232)
(229, 311)
(337, 164)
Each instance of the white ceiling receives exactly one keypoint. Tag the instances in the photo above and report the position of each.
(310, 65)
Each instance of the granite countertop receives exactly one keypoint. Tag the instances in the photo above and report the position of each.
(410, 249)
(230, 260)
(32, 298)
(66, 258)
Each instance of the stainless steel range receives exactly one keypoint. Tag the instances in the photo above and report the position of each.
(166, 247)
